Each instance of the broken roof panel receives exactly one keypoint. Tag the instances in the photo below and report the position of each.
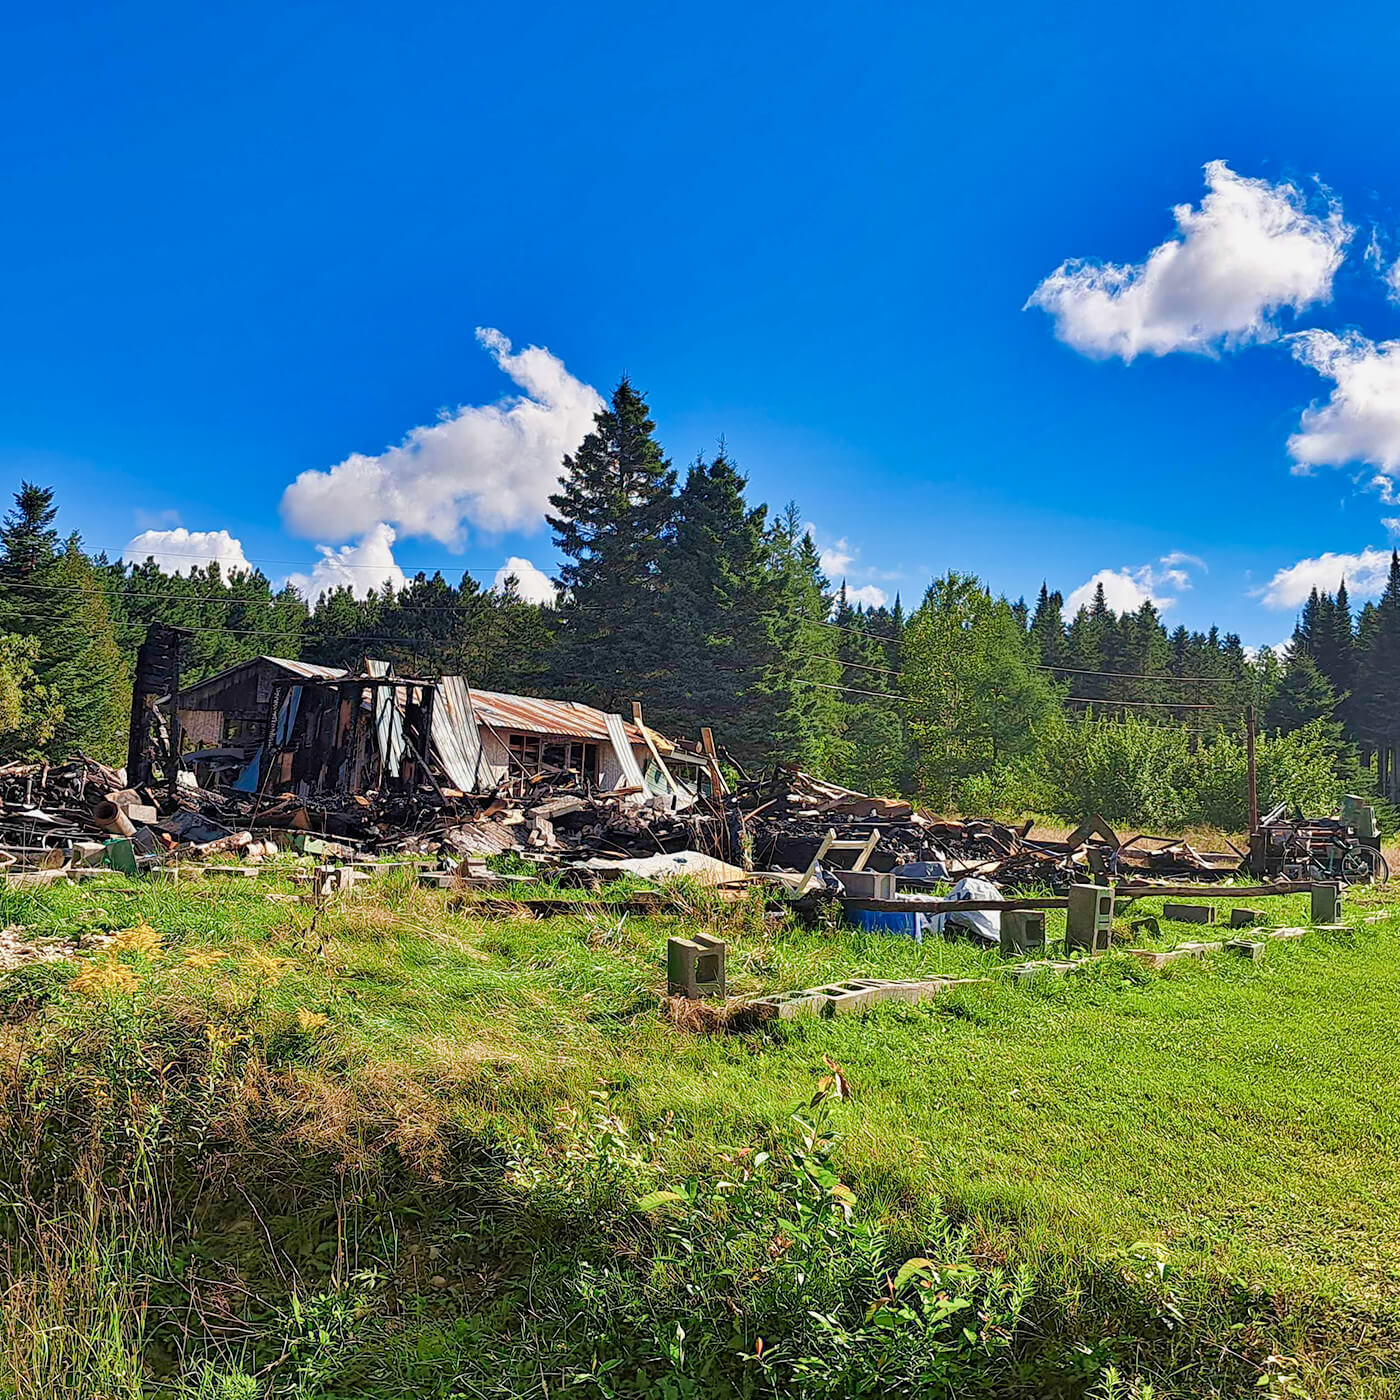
(305, 669)
(566, 718)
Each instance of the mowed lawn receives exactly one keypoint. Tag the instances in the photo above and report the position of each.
(1234, 1122)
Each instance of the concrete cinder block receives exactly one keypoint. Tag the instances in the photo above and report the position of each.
(1327, 902)
(695, 969)
(1243, 918)
(1050, 968)
(1089, 920)
(1189, 913)
(1253, 949)
(867, 884)
(1022, 932)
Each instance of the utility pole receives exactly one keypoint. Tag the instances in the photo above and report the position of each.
(1253, 772)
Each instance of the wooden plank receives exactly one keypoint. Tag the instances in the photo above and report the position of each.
(707, 739)
(651, 747)
(915, 905)
(1142, 888)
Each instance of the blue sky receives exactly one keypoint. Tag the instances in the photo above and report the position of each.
(244, 244)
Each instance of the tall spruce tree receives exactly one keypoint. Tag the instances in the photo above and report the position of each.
(613, 520)
(1378, 708)
(801, 682)
(51, 592)
(1303, 694)
(714, 602)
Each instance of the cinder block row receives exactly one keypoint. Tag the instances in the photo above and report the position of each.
(841, 998)
(1023, 972)
(1158, 960)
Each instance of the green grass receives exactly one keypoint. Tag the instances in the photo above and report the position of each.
(1197, 1167)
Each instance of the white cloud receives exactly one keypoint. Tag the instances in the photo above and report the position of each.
(1251, 249)
(1365, 576)
(837, 556)
(1360, 422)
(1124, 590)
(491, 466)
(1390, 276)
(869, 595)
(532, 584)
(1128, 588)
(1178, 557)
(840, 560)
(1391, 523)
(366, 567)
(180, 550)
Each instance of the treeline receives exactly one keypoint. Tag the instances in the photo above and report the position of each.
(678, 591)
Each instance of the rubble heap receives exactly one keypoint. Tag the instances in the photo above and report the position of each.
(786, 817)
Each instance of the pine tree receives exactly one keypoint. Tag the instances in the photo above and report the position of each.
(1303, 695)
(1378, 688)
(613, 520)
(799, 692)
(714, 603)
(53, 594)
(1047, 630)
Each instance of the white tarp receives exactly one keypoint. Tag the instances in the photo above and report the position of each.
(983, 924)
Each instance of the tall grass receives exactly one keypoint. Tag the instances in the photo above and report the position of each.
(418, 1151)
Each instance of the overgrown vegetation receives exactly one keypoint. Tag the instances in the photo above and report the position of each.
(413, 1150)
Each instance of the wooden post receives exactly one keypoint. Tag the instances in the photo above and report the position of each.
(651, 747)
(716, 777)
(1253, 772)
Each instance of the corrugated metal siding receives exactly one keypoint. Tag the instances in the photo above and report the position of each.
(456, 736)
(306, 670)
(622, 747)
(388, 721)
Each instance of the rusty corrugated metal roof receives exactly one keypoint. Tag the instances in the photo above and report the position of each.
(307, 670)
(567, 718)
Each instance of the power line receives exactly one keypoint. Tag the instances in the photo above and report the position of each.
(203, 557)
(1139, 704)
(1138, 675)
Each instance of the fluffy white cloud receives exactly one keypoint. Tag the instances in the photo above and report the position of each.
(840, 560)
(1128, 588)
(491, 466)
(366, 567)
(180, 550)
(836, 555)
(533, 585)
(1360, 422)
(1365, 576)
(868, 595)
(1250, 250)
(1124, 590)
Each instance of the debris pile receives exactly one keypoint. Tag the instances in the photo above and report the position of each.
(787, 817)
(80, 813)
